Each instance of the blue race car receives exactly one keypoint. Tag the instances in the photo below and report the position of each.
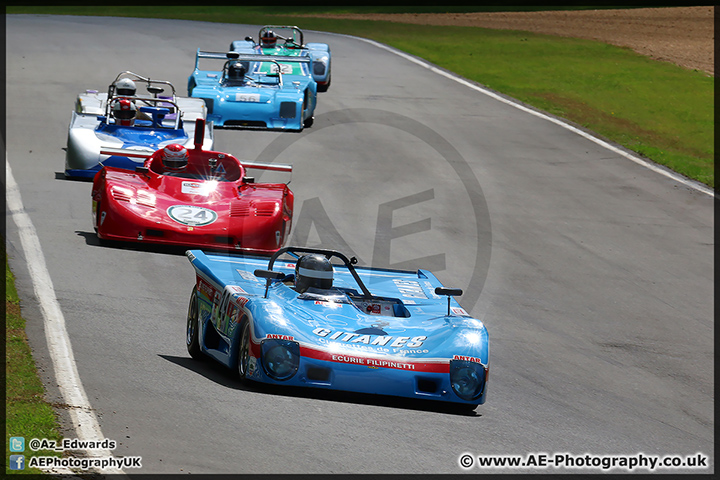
(256, 91)
(122, 119)
(299, 320)
(292, 45)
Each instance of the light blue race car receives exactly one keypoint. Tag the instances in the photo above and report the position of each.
(299, 320)
(256, 91)
(121, 118)
(285, 40)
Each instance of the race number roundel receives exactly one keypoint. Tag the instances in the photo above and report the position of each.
(192, 215)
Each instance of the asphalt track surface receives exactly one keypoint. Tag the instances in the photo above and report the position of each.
(593, 274)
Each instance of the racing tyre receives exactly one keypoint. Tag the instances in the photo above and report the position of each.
(324, 88)
(97, 217)
(308, 122)
(464, 408)
(243, 358)
(193, 326)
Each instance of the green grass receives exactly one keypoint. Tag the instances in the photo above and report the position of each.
(659, 110)
(27, 412)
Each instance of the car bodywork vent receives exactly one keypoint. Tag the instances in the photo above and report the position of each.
(151, 232)
(287, 109)
(240, 209)
(245, 123)
(318, 374)
(265, 209)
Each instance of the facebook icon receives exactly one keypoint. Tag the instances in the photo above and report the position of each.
(17, 462)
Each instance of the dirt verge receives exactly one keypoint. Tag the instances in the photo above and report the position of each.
(681, 35)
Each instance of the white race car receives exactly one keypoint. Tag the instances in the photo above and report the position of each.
(122, 119)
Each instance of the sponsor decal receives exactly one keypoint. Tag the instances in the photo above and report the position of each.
(277, 336)
(247, 276)
(235, 289)
(410, 288)
(377, 362)
(371, 362)
(327, 303)
(459, 311)
(378, 340)
(192, 215)
(202, 188)
(468, 359)
(205, 288)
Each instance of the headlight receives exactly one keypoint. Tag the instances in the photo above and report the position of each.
(467, 379)
(280, 358)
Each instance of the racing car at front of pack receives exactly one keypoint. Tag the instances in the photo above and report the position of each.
(286, 40)
(255, 91)
(307, 318)
(122, 118)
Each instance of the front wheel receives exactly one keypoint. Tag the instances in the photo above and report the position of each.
(243, 358)
(192, 339)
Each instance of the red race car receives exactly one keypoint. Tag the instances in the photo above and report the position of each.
(192, 197)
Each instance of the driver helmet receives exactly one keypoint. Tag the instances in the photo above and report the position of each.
(236, 71)
(174, 157)
(125, 87)
(124, 111)
(313, 270)
(268, 39)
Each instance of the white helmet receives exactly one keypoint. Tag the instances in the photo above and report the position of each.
(125, 87)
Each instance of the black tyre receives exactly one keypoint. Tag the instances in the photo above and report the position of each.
(97, 217)
(192, 339)
(324, 88)
(243, 358)
(308, 122)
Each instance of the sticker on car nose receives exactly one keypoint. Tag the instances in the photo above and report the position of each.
(192, 215)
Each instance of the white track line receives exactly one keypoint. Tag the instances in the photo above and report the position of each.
(645, 163)
(83, 418)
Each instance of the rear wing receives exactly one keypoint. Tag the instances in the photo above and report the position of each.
(249, 57)
(124, 152)
(199, 138)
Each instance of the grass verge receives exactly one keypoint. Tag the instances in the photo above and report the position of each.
(27, 413)
(658, 110)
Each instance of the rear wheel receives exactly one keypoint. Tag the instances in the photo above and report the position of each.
(324, 88)
(192, 339)
(243, 359)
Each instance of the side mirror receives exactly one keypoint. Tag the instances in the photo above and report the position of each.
(248, 179)
(450, 292)
(270, 275)
(249, 39)
(141, 169)
(155, 90)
